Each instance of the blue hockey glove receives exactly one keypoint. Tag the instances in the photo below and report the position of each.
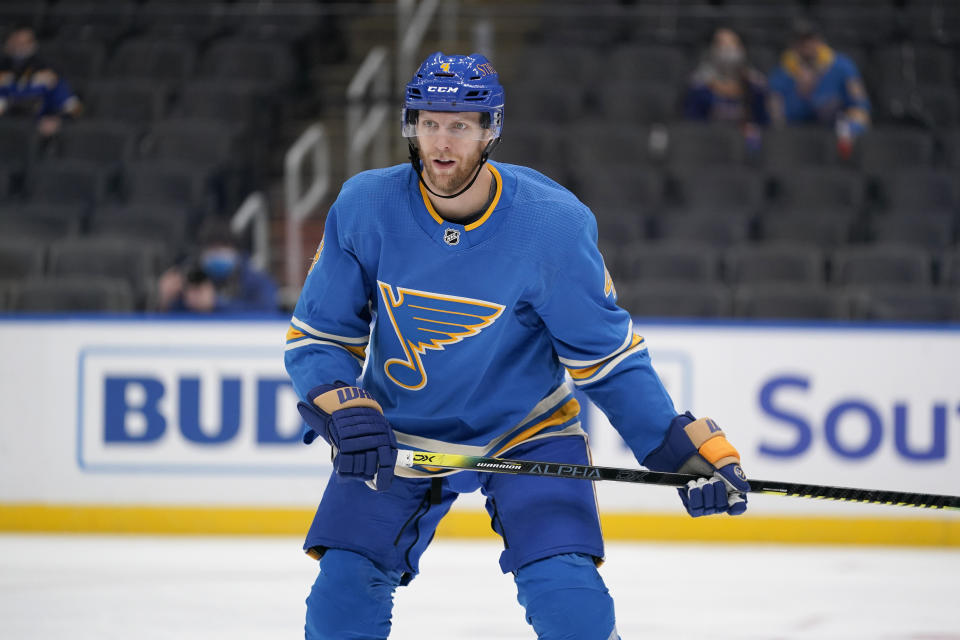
(352, 422)
(700, 447)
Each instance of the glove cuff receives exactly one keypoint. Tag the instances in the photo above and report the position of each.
(710, 441)
(329, 398)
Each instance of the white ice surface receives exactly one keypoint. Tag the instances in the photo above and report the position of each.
(104, 587)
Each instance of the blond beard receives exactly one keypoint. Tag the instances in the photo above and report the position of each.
(450, 184)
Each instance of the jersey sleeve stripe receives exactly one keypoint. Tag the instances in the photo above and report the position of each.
(589, 372)
(304, 327)
(359, 353)
(599, 373)
(580, 364)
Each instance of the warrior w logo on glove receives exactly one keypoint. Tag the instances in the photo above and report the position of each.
(700, 447)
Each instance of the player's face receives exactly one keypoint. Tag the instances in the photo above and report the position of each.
(450, 145)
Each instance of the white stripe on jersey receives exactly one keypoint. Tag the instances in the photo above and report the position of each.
(582, 364)
(300, 324)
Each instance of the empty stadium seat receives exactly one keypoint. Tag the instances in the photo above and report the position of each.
(919, 191)
(102, 20)
(670, 299)
(789, 147)
(17, 146)
(882, 265)
(169, 61)
(132, 101)
(693, 143)
(905, 304)
(182, 19)
(818, 189)
(639, 102)
(136, 262)
(613, 189)
(663, 64)
(74, 293)
(824, 229)
(204, 143)
(107, 144)
(714, 228)
(165, 183)
(77, 182)
(880, 150)
(780, 301)
(43, 221)
(726, 190)
(932, 230)
(237, 103)
(774, 262)
(663, 261)
(270, 63)
(78, 61)
(20, 257)
(167, 225)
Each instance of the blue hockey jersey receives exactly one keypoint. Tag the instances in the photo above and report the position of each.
(464, 333)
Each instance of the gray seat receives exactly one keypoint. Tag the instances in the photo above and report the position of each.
(882, 265)
(789, 147)
(203, 143)
(131, 101)
(932, 230)
(794, 301)
(718, 229)
(669, 299)
(824, 189)
(668, 262)
(881, 150)
(648, 63)
(77, 182)
(919, 191)
(167, 225)
(20, 257)
(725, 190)
(100, 20)
(171, 61)
(532, 144)
(182, 19)
(693, 144)
(824, 229)
(905, 304)
(165, 183)
(78, 61)
(105, 143)
(640, 102)
(135, 262)
(41, 221)
(547, 101)
(600, 143)
(17, 145)
(72, 294)
(237, 103)
(772, 263)
(270, 63)
(617, 188)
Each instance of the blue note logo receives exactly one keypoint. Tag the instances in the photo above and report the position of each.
(429, 321)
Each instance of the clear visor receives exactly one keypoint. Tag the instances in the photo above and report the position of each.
(453, 125)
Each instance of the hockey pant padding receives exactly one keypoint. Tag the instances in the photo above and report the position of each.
(566, 599)
(352, 599)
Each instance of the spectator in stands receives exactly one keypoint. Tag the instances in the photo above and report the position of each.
(220, 279)
(29, 86)
(725, 88)
(816, 84)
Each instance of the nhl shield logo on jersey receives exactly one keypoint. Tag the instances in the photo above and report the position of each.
(451, 236)
(423, 321)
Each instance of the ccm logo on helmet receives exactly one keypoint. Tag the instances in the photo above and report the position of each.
(442, 89)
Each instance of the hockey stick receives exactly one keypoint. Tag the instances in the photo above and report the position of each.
(408, 458)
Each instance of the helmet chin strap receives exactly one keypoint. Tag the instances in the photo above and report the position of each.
(415, 161)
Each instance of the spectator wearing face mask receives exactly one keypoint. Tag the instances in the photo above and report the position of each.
(816, 84)
(725, 88)
(220, 279)
(30, 87)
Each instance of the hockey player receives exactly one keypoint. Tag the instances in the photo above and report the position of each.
(444, 307)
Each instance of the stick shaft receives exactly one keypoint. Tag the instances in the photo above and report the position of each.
(429, 459)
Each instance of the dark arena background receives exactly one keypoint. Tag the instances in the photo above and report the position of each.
(776, 186)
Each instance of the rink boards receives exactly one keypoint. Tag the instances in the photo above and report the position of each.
(118, 424)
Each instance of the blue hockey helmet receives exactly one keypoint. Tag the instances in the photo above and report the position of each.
(455, 83)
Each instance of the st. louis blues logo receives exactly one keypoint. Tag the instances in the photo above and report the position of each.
(423, 320)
